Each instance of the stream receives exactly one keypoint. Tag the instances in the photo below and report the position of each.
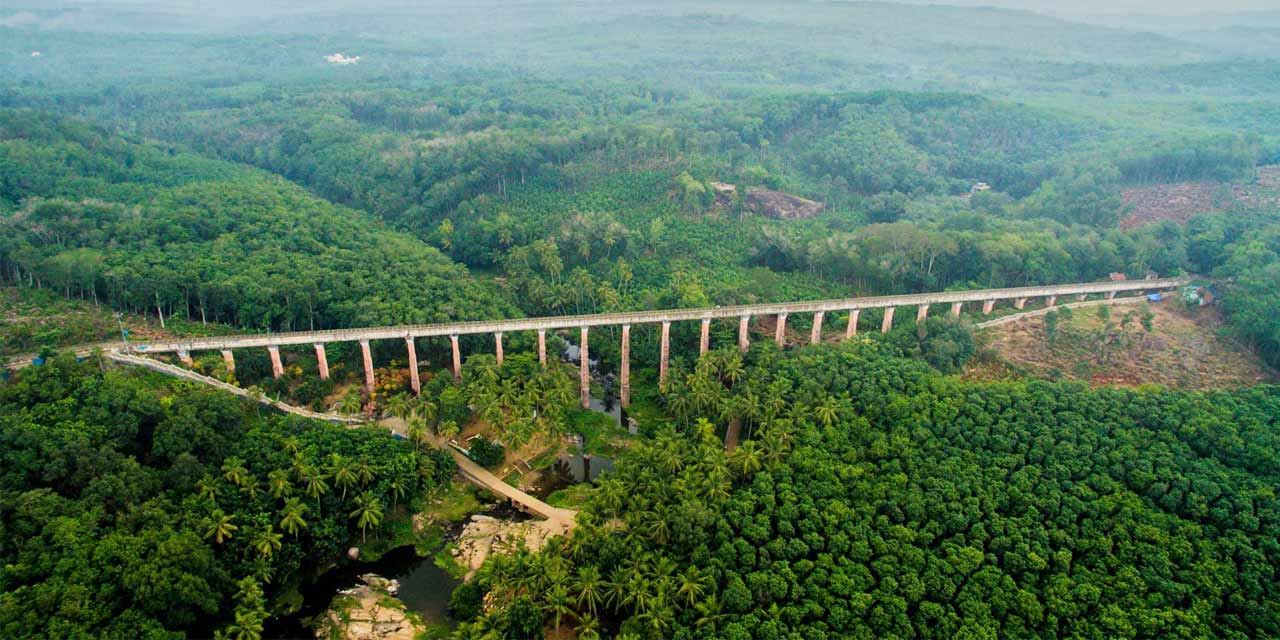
(424, 589)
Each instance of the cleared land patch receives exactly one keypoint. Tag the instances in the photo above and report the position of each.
(1181, 350)
(1181, 201)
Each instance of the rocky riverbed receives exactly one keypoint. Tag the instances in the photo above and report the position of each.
(369, 612)
(484, 536)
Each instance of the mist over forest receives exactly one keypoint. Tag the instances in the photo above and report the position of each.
(245, 248)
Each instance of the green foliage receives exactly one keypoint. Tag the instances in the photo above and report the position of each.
(918, 505)
(170, 507)
(944, 342)
(144, 230)
(486, 453)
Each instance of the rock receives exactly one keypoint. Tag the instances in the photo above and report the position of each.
(779, 205)
(368, 612)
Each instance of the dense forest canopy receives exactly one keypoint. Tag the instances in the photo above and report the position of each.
(283, 167)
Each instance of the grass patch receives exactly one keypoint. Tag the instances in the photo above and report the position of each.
(570, 497)
(445, 560)
(452, 503)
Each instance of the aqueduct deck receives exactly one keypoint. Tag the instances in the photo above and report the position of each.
(743, 313)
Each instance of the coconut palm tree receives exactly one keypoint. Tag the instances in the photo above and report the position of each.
(416, 431)
(448, 429)
(590, 587)
(219, 527)
(350, 403)
(266, 542)
(291, 444)
(558, 604)
(746, 458)
(693, 584)
(234, 471)
(399, 405)
(397, 491)
(279, 484)
(207, 487)
(588, 627)
(344, 476)
(827, 412)
(428, 410)
(292, 519)
(368, 512)
(316, 483)
(364, 472)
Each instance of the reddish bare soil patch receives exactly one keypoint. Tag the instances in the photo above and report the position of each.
(1181, 201)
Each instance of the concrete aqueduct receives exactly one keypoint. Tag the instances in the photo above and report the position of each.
(744, 313)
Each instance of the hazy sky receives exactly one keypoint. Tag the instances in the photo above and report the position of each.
(1105, 7)
(1051, 7)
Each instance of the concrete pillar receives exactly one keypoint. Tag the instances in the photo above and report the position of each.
(888, 320)
(322, 361)
(277, 368)
(542, 347)
(1111, 295)
(956, 308)
(368, 365)
(704, 340)
(922, 312)
(415, 383)
(664, 352)
(780, 330)
(1051, 301)
(497, 346)
(988, 307)
(584, 372)
(1082, 297)
(185, 357)
(743, 340)
(230, 360)
(624, 376)
(1020, 303)
(852, 329)
(457, 358)
(815, 335)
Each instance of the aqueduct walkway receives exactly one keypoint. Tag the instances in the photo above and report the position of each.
(743, 313)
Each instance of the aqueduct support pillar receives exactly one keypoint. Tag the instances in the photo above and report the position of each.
(542, 347)
(584, 371)
(988, 307)
(1051, 301)
(888, 320)
(922, 312)
(744, 340)
(956, 308)
(415, 382)
(704, 340)
(230, 360)
(457, 358)
(852, 329)
(367, 355)
(1020, 303)
(624, 376)
(322, 362)
(780, 330)
(497, 347)
(185, 357)
(664, 352)
(815, 335)
(277, 368)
